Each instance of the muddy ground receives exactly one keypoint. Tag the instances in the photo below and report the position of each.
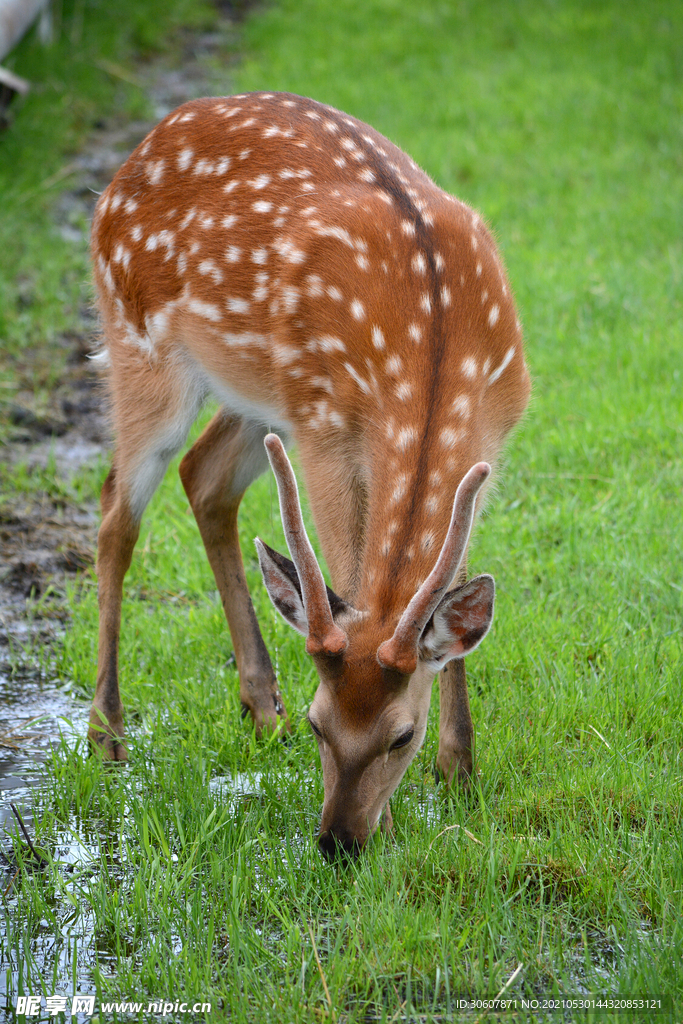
(46, 539)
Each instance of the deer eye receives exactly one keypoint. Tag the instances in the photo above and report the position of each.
(403, 740)
(315, 728)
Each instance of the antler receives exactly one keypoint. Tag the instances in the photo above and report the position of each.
(400, 652)
(324, 637)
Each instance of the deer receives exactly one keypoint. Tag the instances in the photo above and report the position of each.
(289, 261)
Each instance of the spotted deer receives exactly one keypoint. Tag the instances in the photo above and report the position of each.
(290, 261)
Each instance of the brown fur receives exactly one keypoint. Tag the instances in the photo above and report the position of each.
(293, 261)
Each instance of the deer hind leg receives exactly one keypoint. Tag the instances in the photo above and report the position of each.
(153, 410)
(215, 473)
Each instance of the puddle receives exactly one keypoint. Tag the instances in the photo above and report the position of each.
(33, 714)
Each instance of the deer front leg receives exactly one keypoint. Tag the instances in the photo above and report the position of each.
(215, 473)
(455, 758)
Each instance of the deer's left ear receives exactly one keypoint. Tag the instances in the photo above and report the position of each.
(460, 622)
(284, 588)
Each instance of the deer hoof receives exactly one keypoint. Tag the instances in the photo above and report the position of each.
(108, 746)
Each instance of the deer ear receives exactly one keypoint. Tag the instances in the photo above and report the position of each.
(460, 622)
(284, 587)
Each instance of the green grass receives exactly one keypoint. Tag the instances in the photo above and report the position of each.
(562, 123)
(83, 80)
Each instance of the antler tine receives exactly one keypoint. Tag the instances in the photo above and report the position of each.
(400, 652)
(324, 637)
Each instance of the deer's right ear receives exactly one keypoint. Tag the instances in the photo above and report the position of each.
(283, 585)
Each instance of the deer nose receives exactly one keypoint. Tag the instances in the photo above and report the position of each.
(340, 843)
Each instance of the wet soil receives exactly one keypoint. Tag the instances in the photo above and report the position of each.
(59, 427)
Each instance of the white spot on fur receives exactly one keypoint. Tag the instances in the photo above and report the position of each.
(324, 383)
(210, 269)
(233, 253)
(260, 182)
(261, 290)
(494, 313)
(362, 384)
(328, 343)
(206, 310)
(469, 367)
(378, 338)
(290, 297)
(286, 248)
(406, 437)
(497, 372)
(185, 158)
(314, 286)
(399, 488)
(394, 365)
(431, 504)
(285, 354)
(203, 166)
(461, 406)
(237, 305)
(187, 219)
(450, 437)
(419, 263)
(358, 309)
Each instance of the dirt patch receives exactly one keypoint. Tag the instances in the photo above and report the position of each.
(57, 419)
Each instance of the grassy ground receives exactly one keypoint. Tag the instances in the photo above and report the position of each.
(562, 123)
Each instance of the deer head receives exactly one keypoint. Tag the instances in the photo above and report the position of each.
(369, 713)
